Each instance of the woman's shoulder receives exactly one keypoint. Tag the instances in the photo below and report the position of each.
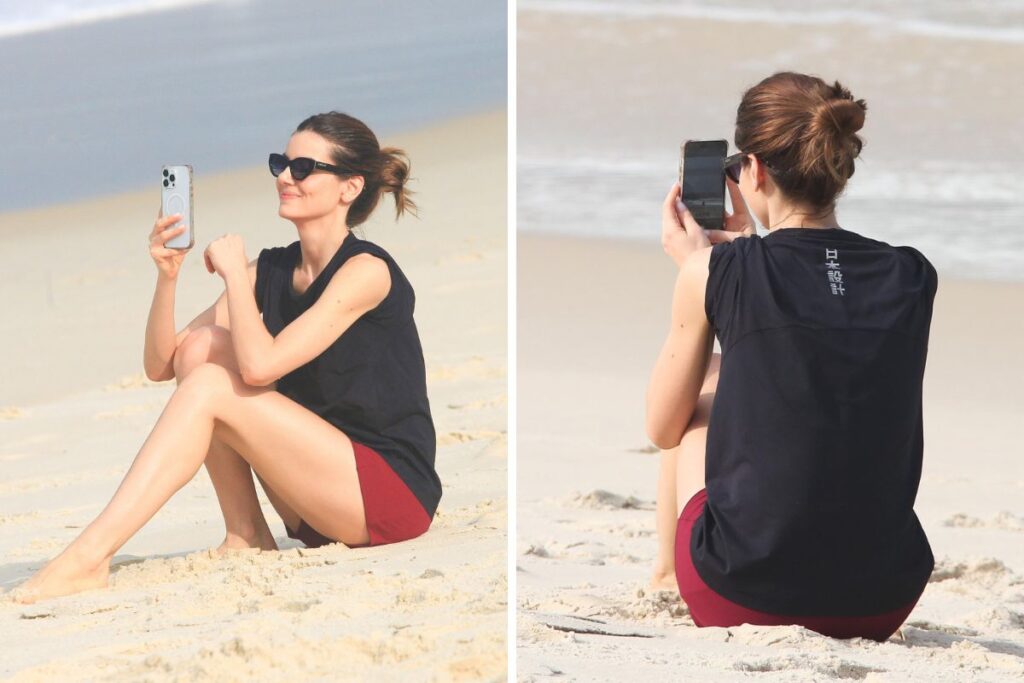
(274, 254)
(359, 246)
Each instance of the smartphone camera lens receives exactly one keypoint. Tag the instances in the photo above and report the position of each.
(172, 177)
(165, 173)
(166, 184)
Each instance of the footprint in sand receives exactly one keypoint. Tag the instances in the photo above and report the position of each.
(29, 485)
(986, 570)
(464, 257)
(10, 457)
(460, 436)
(134, 381)
(18, 518)
(476, 367)
(599, 499)
(1005, 520)
(477, 405)
(124, 411)
(925, 625)
(828, 666)
(12, 413)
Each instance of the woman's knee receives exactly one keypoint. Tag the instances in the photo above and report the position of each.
(211, 385)
(207, 344)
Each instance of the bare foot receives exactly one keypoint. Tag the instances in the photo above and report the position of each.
(65, 574)
(664, 581)
(263, 541)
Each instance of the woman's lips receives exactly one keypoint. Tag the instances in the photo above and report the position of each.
(286, 195)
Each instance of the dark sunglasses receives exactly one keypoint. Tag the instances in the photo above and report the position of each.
(300, 167)
(733, 165)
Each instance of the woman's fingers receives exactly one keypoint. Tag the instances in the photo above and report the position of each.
(164, 235)
(169, 220)
(669, 211)
(689, 222)
(738, 205)
(163, 222)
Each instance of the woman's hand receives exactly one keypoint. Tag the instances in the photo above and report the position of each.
(168, 261)
(226, 255)
(738, 223)
(681, 234)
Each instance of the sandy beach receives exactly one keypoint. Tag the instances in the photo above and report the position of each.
(75, 407)
(593, 314)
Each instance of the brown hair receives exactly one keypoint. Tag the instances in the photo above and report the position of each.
(804, 130)
(355, 148)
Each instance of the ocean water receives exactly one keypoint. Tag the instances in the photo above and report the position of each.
(999, 20)
(99, 94)
(968, 221)
(42, 15)
(936, 173)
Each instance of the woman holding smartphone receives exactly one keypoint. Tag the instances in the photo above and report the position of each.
(324, 398)
(792, 460)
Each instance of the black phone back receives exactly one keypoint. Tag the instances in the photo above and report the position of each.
(703, 180)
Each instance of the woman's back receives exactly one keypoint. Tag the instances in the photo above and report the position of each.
(814, 445)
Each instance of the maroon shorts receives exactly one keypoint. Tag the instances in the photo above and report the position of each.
(710, 609)
(393, 513)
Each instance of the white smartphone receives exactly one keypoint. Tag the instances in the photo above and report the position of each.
(176, 197)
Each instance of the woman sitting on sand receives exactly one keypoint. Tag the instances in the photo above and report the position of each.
(324, 399)
(809, 422)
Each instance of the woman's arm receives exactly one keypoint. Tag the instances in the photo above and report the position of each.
(161, 341)
(358, 286)
(679, 371)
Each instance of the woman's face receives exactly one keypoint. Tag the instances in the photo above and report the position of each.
(319, 193)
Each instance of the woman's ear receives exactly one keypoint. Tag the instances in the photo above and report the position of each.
(757, 172)
(351, 187)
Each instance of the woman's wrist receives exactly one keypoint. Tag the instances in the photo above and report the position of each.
(163, 278)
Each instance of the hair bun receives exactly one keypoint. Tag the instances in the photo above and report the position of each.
(847, 114)
(808, 128)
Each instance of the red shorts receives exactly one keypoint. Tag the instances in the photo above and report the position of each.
(711, 609)
(393, 513)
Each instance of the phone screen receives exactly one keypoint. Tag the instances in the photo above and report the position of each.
(703, 180)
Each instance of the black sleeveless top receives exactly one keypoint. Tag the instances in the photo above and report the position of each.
(371, 382)
(814, 444)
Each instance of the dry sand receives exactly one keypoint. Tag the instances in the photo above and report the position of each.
(75, 407)
(592, 316)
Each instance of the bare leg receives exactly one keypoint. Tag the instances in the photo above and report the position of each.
(170, 457)
(308, 462)
(245, 525)
(680, 477)
(664, 576)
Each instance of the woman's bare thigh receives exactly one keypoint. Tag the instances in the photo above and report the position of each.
(213, 344)
(690, 474)
(308, 462)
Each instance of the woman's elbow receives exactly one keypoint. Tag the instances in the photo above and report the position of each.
(662, 436)
(251, 376)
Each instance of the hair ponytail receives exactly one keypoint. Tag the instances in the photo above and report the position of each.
(394, 172)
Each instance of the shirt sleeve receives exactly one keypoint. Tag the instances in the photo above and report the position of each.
(721, 296)
(262, 275)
